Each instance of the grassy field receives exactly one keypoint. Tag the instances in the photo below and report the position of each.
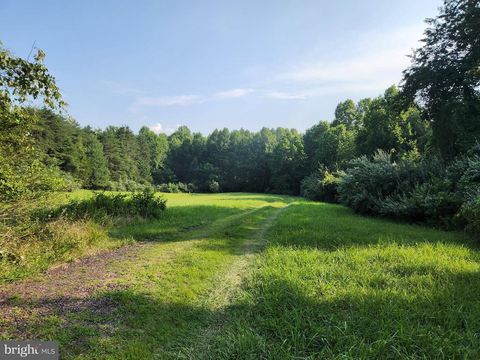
(248, 276)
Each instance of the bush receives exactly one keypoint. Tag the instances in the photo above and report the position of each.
(433, 202)
(412, 190)
(126, 185)
(175, 188)
(321, 186)
(213, 186)
(145, 204)
(367, 183)
(469, 182)
(470, 213)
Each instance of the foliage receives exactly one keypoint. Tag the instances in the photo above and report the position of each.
(470, 213)
(22, 171)
(329, 146)
(346, 113)
(387, 127)
(367, 182)
(175, 188)
(321, 186)
(145, 204)
(444, 76)
(417, 190)
(432, 201)
(21, 79)
(214, 186)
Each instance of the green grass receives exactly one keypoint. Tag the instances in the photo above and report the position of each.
(327, 284)
(335, 285)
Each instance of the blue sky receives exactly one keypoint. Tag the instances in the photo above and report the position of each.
(214, 64)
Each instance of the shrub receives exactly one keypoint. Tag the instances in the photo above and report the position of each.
(433, 202)
(192, 188)
(470, 213)
(368, 182)
(126, 185)
(175, 188)
(145, 204)
(469, 182)
(417, 190)
(321, 186)
(29, 247)
(213, 186)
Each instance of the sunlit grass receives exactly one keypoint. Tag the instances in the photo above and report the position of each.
(329, 284)
(335, 285)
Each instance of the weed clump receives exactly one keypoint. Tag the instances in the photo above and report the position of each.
(145, 204)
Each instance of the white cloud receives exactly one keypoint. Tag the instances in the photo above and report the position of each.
(375, 63)
(380, 62)
(183, 100)
(159, 128)
(385, 64)
(163, 101)
(273, 94)
(232, 94)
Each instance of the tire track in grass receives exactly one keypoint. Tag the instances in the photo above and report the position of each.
(71, 287)
(227, 288)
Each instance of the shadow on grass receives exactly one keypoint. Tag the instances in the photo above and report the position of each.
(222, 229)
(330, 226)
(241, 196)
(241, 236)
(116, 324)
(283, 320)
(174, 222)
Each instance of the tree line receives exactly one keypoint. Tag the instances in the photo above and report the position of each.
(270, 160)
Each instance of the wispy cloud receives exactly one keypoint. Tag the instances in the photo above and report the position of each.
(379, 62)
(384, 64)
(164, 101)
(374, 64)
(281, 95)
(183, 100)
(232, 94)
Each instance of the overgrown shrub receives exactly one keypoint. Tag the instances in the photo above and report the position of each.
(321, 186)
(433, 202)
(368, 182)
(422, 190)
(144, 204)
(470, 213)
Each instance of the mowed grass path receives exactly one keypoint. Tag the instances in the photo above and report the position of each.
(248, 276)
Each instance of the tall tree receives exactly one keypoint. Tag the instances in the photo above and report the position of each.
(90, 163)
(346, 114)
(445, 76)
(287, 162)
(386, 126)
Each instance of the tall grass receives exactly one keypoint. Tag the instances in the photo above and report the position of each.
(35, 238)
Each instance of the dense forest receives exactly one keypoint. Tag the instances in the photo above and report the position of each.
(411, 153)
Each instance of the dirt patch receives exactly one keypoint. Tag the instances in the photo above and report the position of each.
(63, 289)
